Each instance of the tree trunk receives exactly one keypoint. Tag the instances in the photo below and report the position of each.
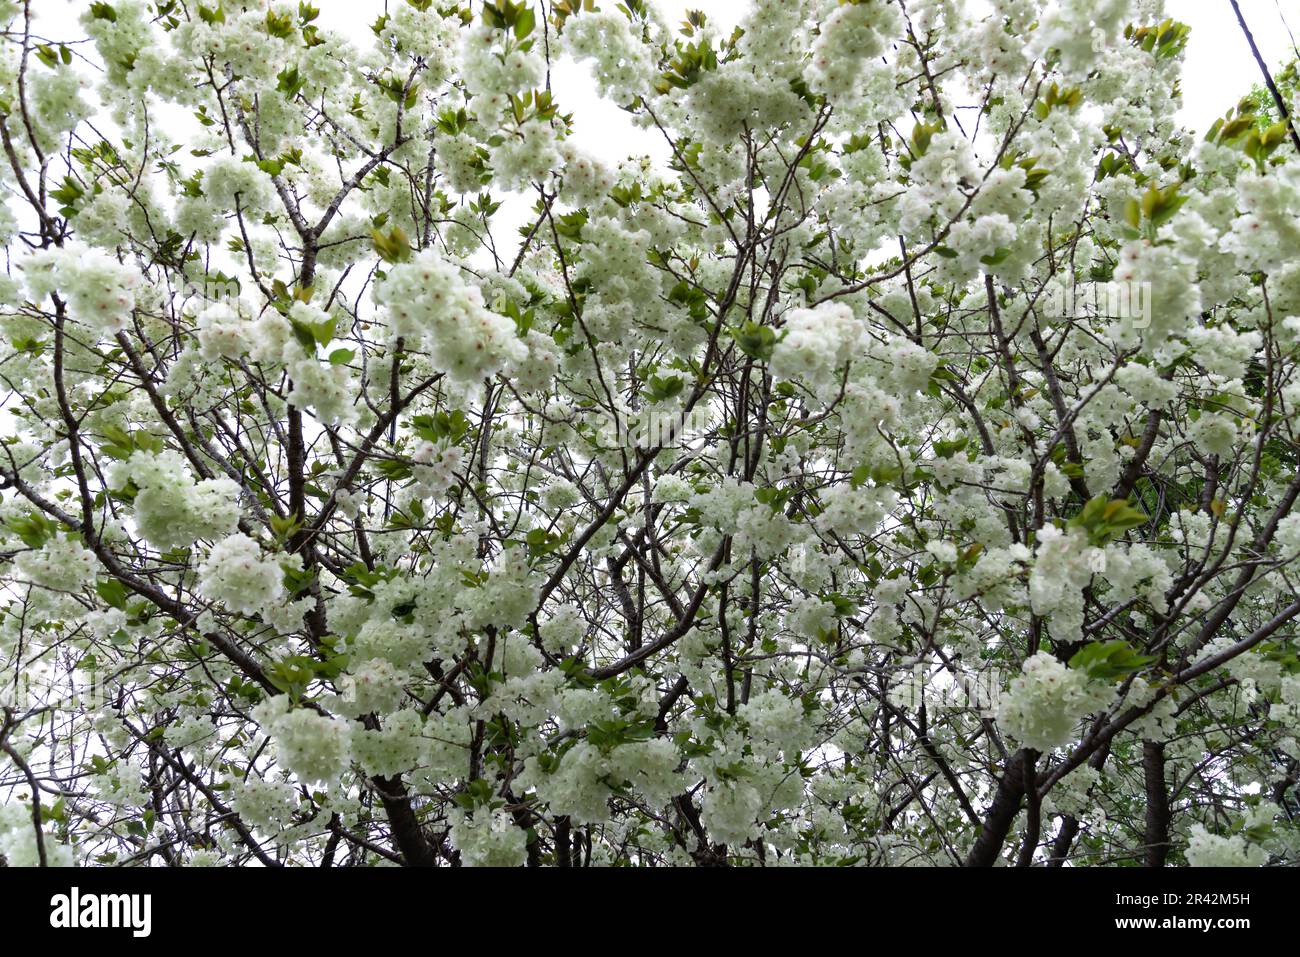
(1001, 813)
(1158, 813)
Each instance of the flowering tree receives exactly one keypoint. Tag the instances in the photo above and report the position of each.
(899, 470)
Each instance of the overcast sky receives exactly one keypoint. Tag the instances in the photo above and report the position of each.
(1219, 64)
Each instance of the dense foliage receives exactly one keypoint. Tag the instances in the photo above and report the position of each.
(902, 472)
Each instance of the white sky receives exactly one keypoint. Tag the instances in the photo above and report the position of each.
(1219, 68)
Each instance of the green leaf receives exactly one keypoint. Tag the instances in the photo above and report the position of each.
(34, 530)
(113, 592)
(996, 257)
(922, 133)
(441, 425)
(570, 225)
(542, 542)
(1133, 213)
(284, 526)
(524, 23)
(322, 332)
(1107, 519)
(946, 449)
(1109, 660)
(663, 388)
(68, 193)
(121, 445)
(290, 81)
(279, 24)
(292, 675)
(755, 340)
(393, 246)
